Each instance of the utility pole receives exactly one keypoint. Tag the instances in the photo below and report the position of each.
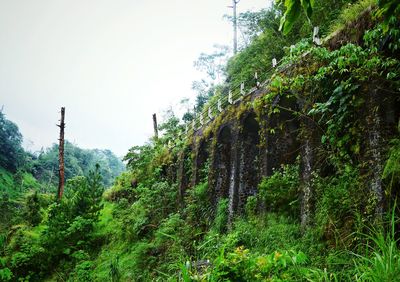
(61, 156)
(234, 3)
(155, 126)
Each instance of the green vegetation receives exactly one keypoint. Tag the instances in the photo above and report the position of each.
(64, 236)
(77, 162)
(11, 152)
(35, 232)
(146, 227)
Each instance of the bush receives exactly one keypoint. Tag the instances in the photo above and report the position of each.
(32, 209)
(338, 205)
(243, 265)
(280, 191)
(198, 211)
(267, 232)
(221, 218)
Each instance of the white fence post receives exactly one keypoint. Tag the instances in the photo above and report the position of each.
(316, 38)
(219, 105)
(274, 62)
(257, 82)
(230, 97)
(242, 88)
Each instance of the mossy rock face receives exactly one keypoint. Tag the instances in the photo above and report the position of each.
(322, 97)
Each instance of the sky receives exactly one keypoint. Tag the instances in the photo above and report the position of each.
(111, 63)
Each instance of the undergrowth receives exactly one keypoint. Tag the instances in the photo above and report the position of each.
(148, 227)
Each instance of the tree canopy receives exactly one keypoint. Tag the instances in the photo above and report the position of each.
(11, 152)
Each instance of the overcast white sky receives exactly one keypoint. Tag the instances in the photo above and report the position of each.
(111, 63)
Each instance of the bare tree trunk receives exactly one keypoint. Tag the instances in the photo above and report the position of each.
(155, 126)
(61, 156)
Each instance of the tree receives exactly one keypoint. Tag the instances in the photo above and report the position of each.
(11, 152)
(213, 65)
(61, 165)
(32, 209)
(77, 162)
(70, 222)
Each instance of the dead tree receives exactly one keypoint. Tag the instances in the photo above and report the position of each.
(61, 157)
(155, 126)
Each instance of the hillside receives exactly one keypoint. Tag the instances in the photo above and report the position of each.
(24, 175)
(282, 172)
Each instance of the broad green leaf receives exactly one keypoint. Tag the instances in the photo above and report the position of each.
(292, 12)
(307, 7)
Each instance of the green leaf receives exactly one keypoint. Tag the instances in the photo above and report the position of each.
(292, 12)
(308, 7)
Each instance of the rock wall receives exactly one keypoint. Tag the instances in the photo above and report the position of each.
(248, 144)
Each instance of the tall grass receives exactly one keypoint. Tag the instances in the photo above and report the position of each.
(381, 261)
(350, 13)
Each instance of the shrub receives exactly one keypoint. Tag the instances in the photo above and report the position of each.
(243, 265)
(32, 209)
(221, 217)
(198, 210)
(280, 191)
(338, 205)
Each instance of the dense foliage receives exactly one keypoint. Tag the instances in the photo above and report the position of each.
(53, 235)
(145, 228)
(36, 234)
(77, 162)
(11, 152)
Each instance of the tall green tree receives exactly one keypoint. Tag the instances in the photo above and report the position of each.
(77, 162)
(11, 152)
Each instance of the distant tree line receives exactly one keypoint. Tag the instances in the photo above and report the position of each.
(77, 162)
(43, 165)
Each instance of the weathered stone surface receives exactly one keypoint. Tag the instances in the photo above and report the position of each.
(246, 144)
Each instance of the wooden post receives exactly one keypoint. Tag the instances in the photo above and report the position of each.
(155, 126)
(61, 156)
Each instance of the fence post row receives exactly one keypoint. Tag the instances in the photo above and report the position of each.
(316, 40)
